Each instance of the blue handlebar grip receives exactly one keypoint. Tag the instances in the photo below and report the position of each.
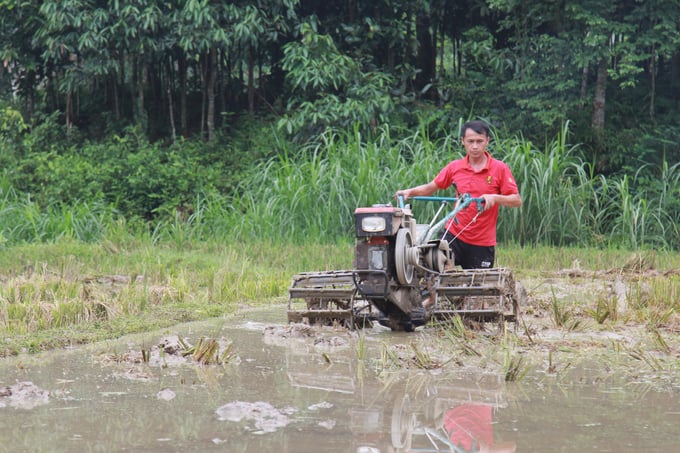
(400, 200)
(435, 198)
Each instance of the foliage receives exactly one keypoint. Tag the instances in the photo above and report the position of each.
(190, 67)
(330, 89)
(139, 178)
(12, 124)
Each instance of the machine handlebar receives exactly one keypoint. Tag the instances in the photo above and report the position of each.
(464, 200)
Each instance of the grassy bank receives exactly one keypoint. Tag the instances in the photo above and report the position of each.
(55, 295)
(70, 292)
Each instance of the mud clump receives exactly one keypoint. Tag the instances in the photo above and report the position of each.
(23, 395)
(265, 417)
(166, 395)
(172, 350)
(290, 331)
(322, 337)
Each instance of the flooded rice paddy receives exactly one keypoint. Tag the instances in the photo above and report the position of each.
(288, 388)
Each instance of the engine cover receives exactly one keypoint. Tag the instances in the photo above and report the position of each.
(380, 220)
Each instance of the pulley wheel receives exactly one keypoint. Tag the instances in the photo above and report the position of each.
(402, 424)
(403, 251)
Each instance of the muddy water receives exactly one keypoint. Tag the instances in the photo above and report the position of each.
(315, 394)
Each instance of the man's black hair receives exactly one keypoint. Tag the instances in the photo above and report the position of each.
(478, 126)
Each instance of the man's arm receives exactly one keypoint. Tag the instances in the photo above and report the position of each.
(510, 201)
(423, 190)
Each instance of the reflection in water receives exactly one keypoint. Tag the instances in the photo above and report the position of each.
(404, 411)
(312, 394)
(469, 429)
(443, 417)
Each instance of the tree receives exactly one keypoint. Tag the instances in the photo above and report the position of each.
(656, 42)
(191, 65)
(330, 89)
(21, 62)
(201, 35)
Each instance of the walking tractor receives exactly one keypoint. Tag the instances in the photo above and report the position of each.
(403, 276)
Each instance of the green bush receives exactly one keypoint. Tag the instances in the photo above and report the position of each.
(138, 178)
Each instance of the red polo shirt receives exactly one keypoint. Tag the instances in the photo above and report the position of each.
(494, 178)
(469, 424)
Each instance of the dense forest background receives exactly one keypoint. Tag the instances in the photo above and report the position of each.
(154, 109)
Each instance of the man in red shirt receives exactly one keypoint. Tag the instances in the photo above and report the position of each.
(473, 237)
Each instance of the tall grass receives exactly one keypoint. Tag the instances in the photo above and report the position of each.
(312, 193)
(96, 291)
(551, 182)
(24, 221)
(566, 203)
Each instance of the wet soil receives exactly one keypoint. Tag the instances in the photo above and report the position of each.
(253, 383)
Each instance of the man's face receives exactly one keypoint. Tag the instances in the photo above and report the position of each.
(474, 143)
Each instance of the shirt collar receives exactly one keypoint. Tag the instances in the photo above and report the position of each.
(488, 161)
